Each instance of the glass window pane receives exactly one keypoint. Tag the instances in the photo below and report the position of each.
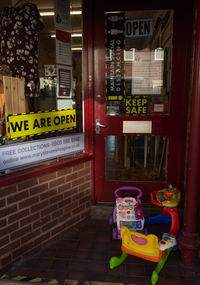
(138, 62)
(136, 158)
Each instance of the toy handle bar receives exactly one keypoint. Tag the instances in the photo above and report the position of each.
(129, 188)
(152, 195)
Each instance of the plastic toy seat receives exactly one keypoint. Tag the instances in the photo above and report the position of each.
(141, 245)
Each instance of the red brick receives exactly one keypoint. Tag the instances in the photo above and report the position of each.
(65, 217)
(64, 171)
(48, 194)
(50, 225)
(42, 238)
(39, 206)
(2, 203)
(49, 210)
(64, 202)
(22, 250)
(85, 199)
(21, 232)
(3, 223)
(29, 220)
(78, 167)
(84, 172)
(58, 229)
(18, 216)
(78, 209)
(71, 177)
(4, 241)
(14, 245)
(87, 178)
(38, 189)
(28, 202)
(5, 191)
(78, 181)
(8, 210)
(87, 164)
(56, 199)
(57, 182)
(64, 187)
(72, 221)
(27, 183)
(71, 192)
(30, 236)
(41, 222)
(47, 177)
(57, 214)
(9, 229)
(71, 206)
(18, 197)
(84, 186)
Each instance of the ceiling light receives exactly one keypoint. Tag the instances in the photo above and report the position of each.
(47, 13)
(76, 35)
(51, 13)
(72, 35)
(76, 48)
(78, 12)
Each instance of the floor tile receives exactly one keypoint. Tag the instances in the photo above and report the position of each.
(82, 255)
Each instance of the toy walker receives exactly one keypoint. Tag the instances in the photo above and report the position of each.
(149, 247)
(128, 212)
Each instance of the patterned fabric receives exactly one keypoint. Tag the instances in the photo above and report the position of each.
(19, 27)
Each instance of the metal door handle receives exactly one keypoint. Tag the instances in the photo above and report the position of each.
(98, 126)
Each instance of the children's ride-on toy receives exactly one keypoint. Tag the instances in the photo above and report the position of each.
(148, 246)
(168, 198)
(128, 212)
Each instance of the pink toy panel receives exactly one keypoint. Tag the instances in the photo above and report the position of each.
(129, 213)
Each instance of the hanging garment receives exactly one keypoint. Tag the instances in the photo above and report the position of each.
(19, 27)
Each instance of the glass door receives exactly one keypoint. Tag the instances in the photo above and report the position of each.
(136, 142)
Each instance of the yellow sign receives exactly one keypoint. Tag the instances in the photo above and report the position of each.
(30, 124)
(136, 105)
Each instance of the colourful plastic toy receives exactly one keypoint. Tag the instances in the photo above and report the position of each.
(149, 247)
(128, 212)
(169, 199)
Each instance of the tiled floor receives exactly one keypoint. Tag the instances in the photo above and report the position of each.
(83, 255)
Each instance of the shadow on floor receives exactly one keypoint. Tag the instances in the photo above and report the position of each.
(83, 254)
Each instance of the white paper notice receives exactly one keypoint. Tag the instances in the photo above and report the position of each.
(63, 48)
(62, 14)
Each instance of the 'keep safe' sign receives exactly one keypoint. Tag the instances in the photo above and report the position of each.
(138, 27)
(30, 124)
(136, 105)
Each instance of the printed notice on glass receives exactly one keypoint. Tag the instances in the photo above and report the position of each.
(18, 155)
(63, 48)
(64, 86)
(62, 14)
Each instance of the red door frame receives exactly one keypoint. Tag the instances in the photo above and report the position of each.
(181, 70)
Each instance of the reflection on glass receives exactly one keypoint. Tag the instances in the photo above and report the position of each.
(136, 158)
(138, 62)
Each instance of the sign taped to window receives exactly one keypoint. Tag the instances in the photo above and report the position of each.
(115, 82)
(136, 105)
(21, 154)
(31, 124)
(138, 27)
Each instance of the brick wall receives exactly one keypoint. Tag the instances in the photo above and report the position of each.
(38, 210)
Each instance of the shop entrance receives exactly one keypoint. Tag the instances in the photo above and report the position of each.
(140, 104)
